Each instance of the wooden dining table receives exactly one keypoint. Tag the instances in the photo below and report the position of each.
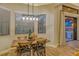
(15, 42)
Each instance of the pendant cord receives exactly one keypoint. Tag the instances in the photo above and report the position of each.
(32, 11)
(28, 8)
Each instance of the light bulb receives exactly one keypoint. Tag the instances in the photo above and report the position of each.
(23, 18)
(36, 19)
(30, 18)
(27, 18)
(33, 18)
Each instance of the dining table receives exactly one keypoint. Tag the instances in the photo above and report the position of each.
(15, 42)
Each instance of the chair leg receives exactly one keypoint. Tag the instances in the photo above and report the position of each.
(44, 52)
(18, 53)
(29, 53)
(38, 53)
(33, 52)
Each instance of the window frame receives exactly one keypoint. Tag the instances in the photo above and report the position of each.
(1, 7)
(45, 24)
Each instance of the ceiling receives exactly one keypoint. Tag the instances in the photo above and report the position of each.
(38, 4)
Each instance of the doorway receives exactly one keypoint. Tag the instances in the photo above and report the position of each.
(70, 28)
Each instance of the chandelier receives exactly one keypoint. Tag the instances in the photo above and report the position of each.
(32, 17)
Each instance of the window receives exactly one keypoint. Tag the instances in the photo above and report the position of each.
(4, 22)
(42, 24)
(23, 24)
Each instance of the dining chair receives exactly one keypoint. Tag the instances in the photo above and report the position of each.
(24, 48)
(41, 47)
(34, 48)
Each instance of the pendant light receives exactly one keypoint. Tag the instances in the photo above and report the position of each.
(27, 17)
(33, 16)
(37, 17)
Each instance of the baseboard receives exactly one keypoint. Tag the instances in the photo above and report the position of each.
(51, 45)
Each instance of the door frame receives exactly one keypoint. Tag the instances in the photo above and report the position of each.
(62, 29)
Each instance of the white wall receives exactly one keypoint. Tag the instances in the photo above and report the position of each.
(49, 10)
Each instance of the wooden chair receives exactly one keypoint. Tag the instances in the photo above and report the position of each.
(24, 48)
(41, 47)
(34, 48)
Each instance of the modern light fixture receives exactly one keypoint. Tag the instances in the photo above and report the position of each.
(33, 17)
(37, 18)
(28, 13)
(32, 12)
